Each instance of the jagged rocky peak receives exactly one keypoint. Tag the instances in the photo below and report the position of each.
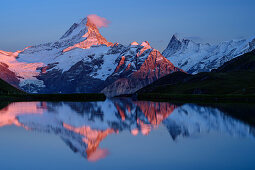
(77, 29)
(87, 33)
(178, 37)
(179, 44)
(174, 45)
(178, 41)
(145, 44)
(145, 47)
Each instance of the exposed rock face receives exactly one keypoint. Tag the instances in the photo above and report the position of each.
(83, 61)
(195, 57)
(8, 75)
(136, 72)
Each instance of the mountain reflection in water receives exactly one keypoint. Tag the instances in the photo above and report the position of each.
(83, 125)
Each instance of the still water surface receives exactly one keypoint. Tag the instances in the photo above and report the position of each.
(123, 134)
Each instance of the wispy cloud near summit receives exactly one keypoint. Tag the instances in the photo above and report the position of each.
(98, 21)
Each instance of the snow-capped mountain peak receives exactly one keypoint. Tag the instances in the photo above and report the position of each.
(178, 37)
(145, 44)
(176, 44)
(87, 33)
(83, 61)
(134, 43)
(77, 30)
(195, 57)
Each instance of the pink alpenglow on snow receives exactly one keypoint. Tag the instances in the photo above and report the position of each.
(93, 37)
(134, 43)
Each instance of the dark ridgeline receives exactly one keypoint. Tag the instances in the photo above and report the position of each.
(6, 89)
(9, 93)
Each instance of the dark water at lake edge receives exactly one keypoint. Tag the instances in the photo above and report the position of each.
(126, 134)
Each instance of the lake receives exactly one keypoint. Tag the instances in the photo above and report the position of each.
(124, 134)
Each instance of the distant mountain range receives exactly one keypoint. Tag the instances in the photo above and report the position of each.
(83, 61)
(195, 57)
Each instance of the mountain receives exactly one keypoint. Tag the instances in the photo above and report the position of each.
(138, 67)
(236, 76)
(83, 61)
(83, 126)
(6, 88)
(7, 78)
(195, 57)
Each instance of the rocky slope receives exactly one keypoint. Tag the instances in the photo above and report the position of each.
(138, 67)
(236, 76)
(83, 61)
(195, 57)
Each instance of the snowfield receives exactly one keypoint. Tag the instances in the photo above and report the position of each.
(195, 57)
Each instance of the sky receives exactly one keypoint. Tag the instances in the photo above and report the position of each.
(29, 22)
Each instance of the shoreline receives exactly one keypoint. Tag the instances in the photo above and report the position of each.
(76, 97)
(160, 97)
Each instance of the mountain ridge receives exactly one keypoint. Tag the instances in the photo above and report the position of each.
(195, 57)
(83, 61)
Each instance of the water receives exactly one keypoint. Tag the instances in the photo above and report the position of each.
(125, 134)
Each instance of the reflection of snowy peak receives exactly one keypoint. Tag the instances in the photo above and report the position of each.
(196, 57)
(82, 126)
(191, 119)
(82, 60)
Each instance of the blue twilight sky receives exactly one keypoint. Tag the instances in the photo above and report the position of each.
(30, 22)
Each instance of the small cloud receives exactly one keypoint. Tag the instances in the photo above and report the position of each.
(195, 38)
(161, 41)
(98, 21)
(185, 36)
